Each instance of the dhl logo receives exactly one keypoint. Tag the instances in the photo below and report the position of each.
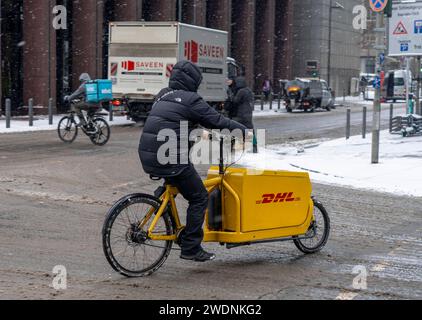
(278, 198)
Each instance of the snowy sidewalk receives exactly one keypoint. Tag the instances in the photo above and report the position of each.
(348, 163)
(41, 124)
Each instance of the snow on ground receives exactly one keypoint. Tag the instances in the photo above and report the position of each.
(267, 111)
(354, 100)
(348, 163)
(41, 124)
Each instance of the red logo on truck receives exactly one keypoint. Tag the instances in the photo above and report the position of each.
(128, 65)
(191, 51)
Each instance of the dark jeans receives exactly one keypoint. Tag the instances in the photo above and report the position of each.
(191, 187)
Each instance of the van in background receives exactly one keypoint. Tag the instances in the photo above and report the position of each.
(395, 85)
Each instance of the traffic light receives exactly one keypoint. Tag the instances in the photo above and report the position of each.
(388, 11)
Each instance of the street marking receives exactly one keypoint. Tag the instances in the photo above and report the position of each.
(347, 296)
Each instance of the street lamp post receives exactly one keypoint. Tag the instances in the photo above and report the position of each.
(376, 121)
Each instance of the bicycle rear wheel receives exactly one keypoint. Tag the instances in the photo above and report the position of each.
(126, 245)
(67, 129)
(103, 132)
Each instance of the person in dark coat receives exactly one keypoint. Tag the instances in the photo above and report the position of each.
(181, 103)
(242, 108)
(243, 103)
(228, 105)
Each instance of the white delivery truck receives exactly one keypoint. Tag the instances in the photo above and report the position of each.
(142, 55)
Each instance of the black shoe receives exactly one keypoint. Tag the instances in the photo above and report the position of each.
(201, 256)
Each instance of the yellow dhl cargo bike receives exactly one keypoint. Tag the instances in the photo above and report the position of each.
(245, 207)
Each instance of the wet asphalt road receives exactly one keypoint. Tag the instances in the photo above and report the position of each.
(54, 197)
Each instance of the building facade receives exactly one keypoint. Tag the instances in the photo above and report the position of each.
(269, 38)
(323, 32)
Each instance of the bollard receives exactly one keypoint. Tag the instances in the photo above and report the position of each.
(50, 112)
(262, 103)
(365, 111)
(31, 112)
(391, 117)
(279, 101)
(8, 112)
(110, 110)
(348, 124)
(271, 101)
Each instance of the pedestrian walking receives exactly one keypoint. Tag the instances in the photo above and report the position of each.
(267, 88)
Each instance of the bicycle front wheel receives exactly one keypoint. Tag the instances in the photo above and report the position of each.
(67, 130)
(318, 233)
(126, 244)
(103, 132)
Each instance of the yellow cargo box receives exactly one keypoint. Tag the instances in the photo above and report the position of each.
(269, 200)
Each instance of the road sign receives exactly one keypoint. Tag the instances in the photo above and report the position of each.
(405, 30)
(418, 27)
(378, 5)
(377, 82)
(404, 47)
(400, 29)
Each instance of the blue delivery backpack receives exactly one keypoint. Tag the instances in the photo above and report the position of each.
(99, 91)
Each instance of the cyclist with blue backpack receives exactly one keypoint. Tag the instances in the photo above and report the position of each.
(82, 104)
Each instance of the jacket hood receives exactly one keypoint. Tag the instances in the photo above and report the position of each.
(84, 77)
(240, 83)
(185, 76)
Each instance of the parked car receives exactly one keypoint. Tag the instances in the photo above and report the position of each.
(308, 95)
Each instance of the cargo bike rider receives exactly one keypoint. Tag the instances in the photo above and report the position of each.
(233, 207)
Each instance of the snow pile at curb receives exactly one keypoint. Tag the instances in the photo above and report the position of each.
(18, 126)
(348, 163)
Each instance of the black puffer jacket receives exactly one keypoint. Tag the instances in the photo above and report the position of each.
(243, 104)
(180, 102)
